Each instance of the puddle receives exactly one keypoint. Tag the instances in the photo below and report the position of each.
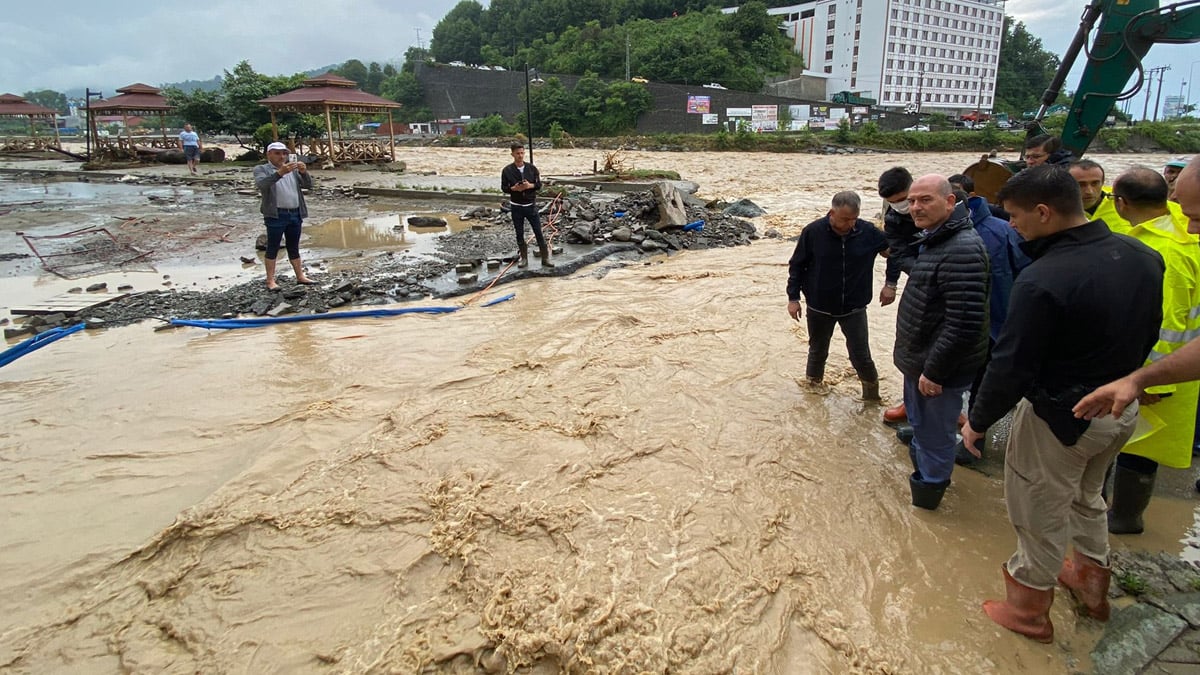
(54, 193)
(390, 232)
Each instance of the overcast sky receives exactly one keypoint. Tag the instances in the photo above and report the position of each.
(84, 43)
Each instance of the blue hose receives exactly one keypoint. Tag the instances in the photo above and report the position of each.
(499, 300)
(36, 342)
(271, 320)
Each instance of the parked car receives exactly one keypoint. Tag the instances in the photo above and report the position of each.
(917, 127)
(458, 64)
(1004, 124)
(498, 68)
(713, 85)
(639, 79)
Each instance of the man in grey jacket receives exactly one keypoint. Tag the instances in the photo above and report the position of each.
(280, 183)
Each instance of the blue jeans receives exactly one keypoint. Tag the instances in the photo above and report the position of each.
(935, 427)
(285, 226)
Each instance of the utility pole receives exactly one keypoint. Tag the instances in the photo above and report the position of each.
(920, 86)
(627, 75)
(1149, 84)
(1158, 96)
(420, 45)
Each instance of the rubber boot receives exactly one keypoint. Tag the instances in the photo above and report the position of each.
(896, 414)
(926, 495)
(544, 252)
(1088, 582)
(522, 255)
(1130, 496)
(1024, 610)
(870, 390)
(905, 433)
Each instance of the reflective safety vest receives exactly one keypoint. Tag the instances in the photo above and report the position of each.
(1172, 444)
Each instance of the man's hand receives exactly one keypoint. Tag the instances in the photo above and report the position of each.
(794, 309)
(887, 295)
(1112, 399)
(301, 167)
(970, 436)
(928, 387)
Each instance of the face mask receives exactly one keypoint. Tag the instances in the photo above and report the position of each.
(900, 207)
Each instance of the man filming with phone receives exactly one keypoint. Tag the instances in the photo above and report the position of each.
(280, 182)
(521, 181)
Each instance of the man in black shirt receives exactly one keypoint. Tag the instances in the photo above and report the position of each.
(832, 266)
(1086, 311)
(521, 181)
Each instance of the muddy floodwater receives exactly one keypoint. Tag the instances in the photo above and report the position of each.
(617, 471)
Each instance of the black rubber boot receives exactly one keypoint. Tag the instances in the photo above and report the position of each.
(544, 253)
(522, 255)
(1130, 496)
(926, 495)
(870, 390)
(904, 434)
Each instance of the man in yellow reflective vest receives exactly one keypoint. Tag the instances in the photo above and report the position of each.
(1097, 202)
(1140, 196)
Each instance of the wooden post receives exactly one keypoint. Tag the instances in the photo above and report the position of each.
(57, 138)
(128, 133)
(329, 134)
(391, 136)
(162, 125)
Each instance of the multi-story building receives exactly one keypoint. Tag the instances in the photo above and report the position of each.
(931, 55)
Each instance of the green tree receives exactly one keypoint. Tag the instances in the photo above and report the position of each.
(1023, 71)
(353, 70)
(48, 98)
(374, 79)
(457, 37)
(200, 108)
(403, 88)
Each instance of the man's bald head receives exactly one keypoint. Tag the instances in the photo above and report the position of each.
(932, 200)
(1140, 194)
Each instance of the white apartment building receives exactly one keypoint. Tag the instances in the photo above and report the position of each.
(940, 55)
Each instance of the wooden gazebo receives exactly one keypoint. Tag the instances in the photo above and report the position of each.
(136, 100)
(332, 96)
(12, 105)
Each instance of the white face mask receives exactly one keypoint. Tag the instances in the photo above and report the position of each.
(900, 207)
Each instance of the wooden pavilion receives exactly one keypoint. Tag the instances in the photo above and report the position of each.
(136, 100)
(12, 105)
(331, 95)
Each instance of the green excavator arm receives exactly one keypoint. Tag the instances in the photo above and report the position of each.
(1125, 31)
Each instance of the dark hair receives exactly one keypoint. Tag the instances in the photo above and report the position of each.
(961, 196)
(966, 182)
(516, 146)
(1086, 165)
(894, 181)
(1047, 184)
(848, 198)
(1047, 142)
(1141, 187)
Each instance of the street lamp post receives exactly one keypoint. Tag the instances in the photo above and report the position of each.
(89, 94)
(529, 112)
(1189, 82)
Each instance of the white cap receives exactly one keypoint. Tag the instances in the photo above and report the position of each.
(277, 146)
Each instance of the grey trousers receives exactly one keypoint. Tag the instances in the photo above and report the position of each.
(1053, 492)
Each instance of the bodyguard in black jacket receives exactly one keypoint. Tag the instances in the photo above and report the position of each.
(833, 265)
(941, 332)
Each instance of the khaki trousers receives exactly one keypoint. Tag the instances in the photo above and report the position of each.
(1053, 492)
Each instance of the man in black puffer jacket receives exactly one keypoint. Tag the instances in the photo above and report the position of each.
(941, 332)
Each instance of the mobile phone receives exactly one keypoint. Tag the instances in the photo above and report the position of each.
(292, 158)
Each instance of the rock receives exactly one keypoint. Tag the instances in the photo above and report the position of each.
(212, 155)
(260, 307)
(493, 265)
(622, 234)
(35, 321)
(773, 234)
(92, 323)
(127, 178)
(653, 245)
(125, 287)
(744, 208)
(281, 309)
(4, 321)
(19, 331)
(97, 287)
(672, 212)
(1185, 605)
(247, 260)
(229, 315)
(335, 302)
(75, 289)
(260, 244)
(54, 319)
(1133, 637)
(294, 294)
(426, 221)
(478, 227)
(463, 268)
(468, 278)
(587, 214)
(344, 287)
(580, 234)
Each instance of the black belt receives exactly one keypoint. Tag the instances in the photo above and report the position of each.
(296, 210)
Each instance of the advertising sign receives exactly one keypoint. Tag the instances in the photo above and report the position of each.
(738, 112)
(699, 104)
(764, 118)
(709, 118)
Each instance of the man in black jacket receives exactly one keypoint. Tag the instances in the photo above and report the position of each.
(1086, 311)
(903, 239)
(832, 266)
(941, 332)
(521, 181)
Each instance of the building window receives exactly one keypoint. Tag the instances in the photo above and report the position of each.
(828, 70)
(832, 24)
(829, 55)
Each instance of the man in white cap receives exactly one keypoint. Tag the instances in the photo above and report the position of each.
(1171, 171)
(280, 183)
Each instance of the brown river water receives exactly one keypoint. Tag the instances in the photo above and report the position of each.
(612, 472)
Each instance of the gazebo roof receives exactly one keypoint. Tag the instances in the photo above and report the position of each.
(12, 105)
(327, 90)
(135, 98)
